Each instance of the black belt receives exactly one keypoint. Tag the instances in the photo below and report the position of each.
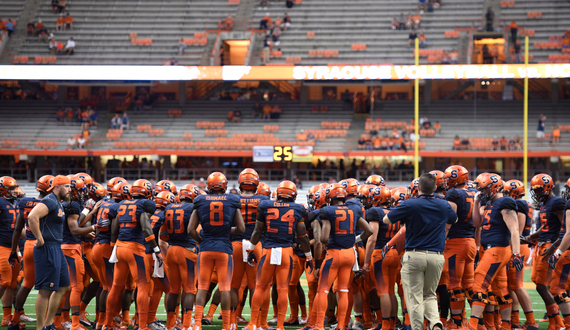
(424, 251)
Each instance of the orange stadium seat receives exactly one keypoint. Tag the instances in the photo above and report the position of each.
(174, 113)
(310, 35)
(452, 34)
(276, 53)
(187, 136)
(358, 47)
(233, 2)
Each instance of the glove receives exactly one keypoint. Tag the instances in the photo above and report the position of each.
(90, 204)
(310, 264)
(553, 259)
(13, 259)
(385, 250)
(359, 273)
(525, 241)
(158, 256)
(251, 258)
(517, 261)
(476, 259)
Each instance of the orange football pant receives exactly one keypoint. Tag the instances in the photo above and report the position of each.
(516, 278)
(241, 267)
(101, 254)
(541, 272)
(29, 264)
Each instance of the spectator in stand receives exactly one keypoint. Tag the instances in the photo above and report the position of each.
(423, 39)
(437, 128)
(81, 142)
(516, 51)
(68, 22)
(71, 142)
(519, 144)
(417, 19)
(30, 29)
(59, 116)
(148, 102)
(266, 112)
(257, 111)
(93, 116)
(275, 34)
(230, 116)
(228, 23)
(503, 143)
(9, 27)
(237, 116)
(540, 129)
(181, 46)
(453, 57)
(59, 48)
(555, 134)
(424, 122)
(138, 104)
(61, 6)
(69, 114)
(512, 144)
(395, 25)
(489, 18)
(411, 38)
(85, 119)
(263, 4)
(369, 143)
(275, 112)
(54, 4)
(52, 46)
(41, 31)
(409, 22)
(125, 123)
(456, 143)
(59, 23)
(377, 142)
(465, 145)
(445, 58)
(495, 143)
(116, 122)
(422, 6)
(401, 22)
(514, 30)
(69, 46)
(265, 22)
(286, 22)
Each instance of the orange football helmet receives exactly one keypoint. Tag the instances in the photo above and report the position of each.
(350, 186)
(141, 188)
(97, 192)
(287, 190)
(376, 180)
(414, 188)
(8, 187)
(112, 182)
(399, 195)
(365, 194)
(263, 189)
(439, 180)
(311, 194)
(188, 191)
(163, 199)
(566, 191)
(165, 185)
(455, 176)
(320, 199)
(324, 185)
(541, 186)
(490, 185)
(121, 191)
(43, 184)
(514, 189)
(336, 191)
(248, 179)
(274, 195)
(217, 181)
(381, 196)
(87, 179)
(79, 191)
(479, 178)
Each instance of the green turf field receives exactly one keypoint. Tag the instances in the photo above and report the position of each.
(538, 305)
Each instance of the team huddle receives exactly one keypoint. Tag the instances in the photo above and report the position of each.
(82, 243)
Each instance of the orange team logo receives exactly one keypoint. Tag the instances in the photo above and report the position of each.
(60, 213)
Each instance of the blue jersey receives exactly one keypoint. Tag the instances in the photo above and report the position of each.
(216, 214)
(25, 206)
(563, 229)
(176, 218)
(280, 219)
(104, 235)
(385, 232)
(70, 208)
(156, 222)
(129, 215)
(495, 231)
(249, 206)
(463, 228)
(51, 226)
(8, 215)
(525, 208)
(355, 205)
(549, 220)
(438, 196)
(343, 221)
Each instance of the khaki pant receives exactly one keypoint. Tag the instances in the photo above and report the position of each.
(265, 54)
(420, 276)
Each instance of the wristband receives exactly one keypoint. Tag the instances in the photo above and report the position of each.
(156, 249)
(304, 235)
(309, 255)
(85, 212)
(251, 246)
(358, 239)
(558, 252)
(93, 228)
(150, 238)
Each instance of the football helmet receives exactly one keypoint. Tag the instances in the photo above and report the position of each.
(263, 189)
(336, 191)
(399, 195)
(87, 179)
(381, 196)
(565, 193)
(188, 192)
(97, 191)
(311, 194)
(217, 181)
(376, 180)
(79, 191)
(320, 199)
(514, 189)
(8, 187)
(541, 186)
(163, 199)
(141, 188)
(121, 191)
(350, 186)
(112, 182)
(43, 184)
(414, 188)
(439, 180)
(165, 185)
(248, 179)
(490, 185)
(287, 190)
(455, 176)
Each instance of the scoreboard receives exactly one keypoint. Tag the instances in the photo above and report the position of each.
(282, 154)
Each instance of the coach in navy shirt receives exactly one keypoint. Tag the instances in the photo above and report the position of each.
(427, 220)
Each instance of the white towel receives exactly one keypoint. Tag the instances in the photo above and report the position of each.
(158, 267)
(113, 258)
(276, 254)
(355, 267)
(244, 247)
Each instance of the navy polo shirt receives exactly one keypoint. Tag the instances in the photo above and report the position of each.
(425, 218)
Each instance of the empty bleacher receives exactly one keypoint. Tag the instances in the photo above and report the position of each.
(102, 30)
(11, 9)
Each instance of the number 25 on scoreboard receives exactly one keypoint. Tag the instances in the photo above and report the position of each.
(282, 154)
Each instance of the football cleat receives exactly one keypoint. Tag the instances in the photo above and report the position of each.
(26, 318)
